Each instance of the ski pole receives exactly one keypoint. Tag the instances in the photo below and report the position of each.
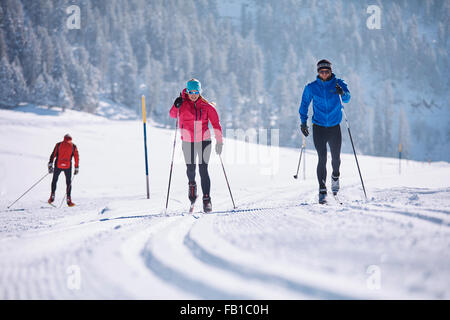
(304, 158)
(70, 186)
(353, 146)
(228, 184)
(28, 190)
(300, 159)
(173, 154)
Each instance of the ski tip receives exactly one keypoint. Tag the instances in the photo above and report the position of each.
(337, 199)
(13, 210)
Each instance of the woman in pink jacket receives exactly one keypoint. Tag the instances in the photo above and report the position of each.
(195, 113)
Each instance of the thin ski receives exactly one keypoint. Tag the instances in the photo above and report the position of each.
(50, 204)
(13, 210)
(335, 196)
(192, 206)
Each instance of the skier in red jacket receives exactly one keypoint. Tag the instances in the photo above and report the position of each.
(195, 112)
(63, 153)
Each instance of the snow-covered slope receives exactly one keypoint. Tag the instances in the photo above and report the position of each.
(278, 244)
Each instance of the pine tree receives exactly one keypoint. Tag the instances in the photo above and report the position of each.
(388, 106)
(379, 141)
(7, 90)
(403, 132)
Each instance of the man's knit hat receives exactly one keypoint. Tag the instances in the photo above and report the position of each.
(323, 64)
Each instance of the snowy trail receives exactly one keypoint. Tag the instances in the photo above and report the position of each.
(192, 254)
(278, 244)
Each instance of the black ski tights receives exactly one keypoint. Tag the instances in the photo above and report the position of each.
(332, 136)
(68, 174)
(202, 150)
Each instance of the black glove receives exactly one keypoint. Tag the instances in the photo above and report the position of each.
(304, 129)
(339, 90)
(76, 171)
(178, 101)
(219, 146)
(50, 167)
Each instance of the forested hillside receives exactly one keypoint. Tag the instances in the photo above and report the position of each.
(254, 67)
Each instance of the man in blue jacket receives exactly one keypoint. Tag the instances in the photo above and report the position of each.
(326, 119)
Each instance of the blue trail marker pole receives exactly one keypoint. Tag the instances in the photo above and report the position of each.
(145, 145)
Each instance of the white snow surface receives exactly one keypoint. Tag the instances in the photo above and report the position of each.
(278, 244)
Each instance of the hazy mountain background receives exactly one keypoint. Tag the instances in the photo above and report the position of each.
(253, 58)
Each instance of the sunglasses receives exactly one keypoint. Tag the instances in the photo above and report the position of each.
(324, 71)
(193, 92)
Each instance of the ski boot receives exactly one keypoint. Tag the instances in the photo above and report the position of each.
(334, 184)
(207, 206)
(192, 193)
(69, 202)
(323, 196)
(52, 198)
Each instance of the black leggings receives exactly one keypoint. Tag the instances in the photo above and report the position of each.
(68, 174)
(332, 136)
(202, 150)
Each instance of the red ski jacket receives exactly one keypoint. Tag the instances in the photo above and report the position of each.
(194, 119)
(63, 152)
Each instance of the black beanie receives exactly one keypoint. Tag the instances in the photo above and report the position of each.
(323, 64)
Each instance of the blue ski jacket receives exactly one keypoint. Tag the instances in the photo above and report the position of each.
(326, 104)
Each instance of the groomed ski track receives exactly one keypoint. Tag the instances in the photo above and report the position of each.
(294, 251)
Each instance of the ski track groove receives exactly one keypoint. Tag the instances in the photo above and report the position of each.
(251, 226)
(45, 277)
(177, 278)
(203, 255)
(201, 288)
(184, 282)
(412, 215)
